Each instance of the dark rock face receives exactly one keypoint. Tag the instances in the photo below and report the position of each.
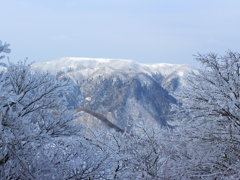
(73, 97)
(171, 84)
(136, 97)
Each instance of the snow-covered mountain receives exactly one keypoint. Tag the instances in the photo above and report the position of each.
(124, 91)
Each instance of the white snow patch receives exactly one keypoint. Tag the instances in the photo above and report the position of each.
(88, 99)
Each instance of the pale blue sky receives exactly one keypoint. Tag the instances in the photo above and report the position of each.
(147, 31)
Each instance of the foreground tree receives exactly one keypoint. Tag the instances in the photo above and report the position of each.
(208, 127)
(4, 48)
(31, 115)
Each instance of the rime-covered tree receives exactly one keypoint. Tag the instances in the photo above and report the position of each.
(4, 48)
(31, 115)
(208, 121)
(38, 136)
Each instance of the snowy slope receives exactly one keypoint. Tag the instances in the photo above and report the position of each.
(90, 67)
(119, 64)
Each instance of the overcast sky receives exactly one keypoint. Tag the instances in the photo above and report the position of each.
(147, 31)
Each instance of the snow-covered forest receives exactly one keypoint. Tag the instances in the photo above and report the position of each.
(40, 139)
